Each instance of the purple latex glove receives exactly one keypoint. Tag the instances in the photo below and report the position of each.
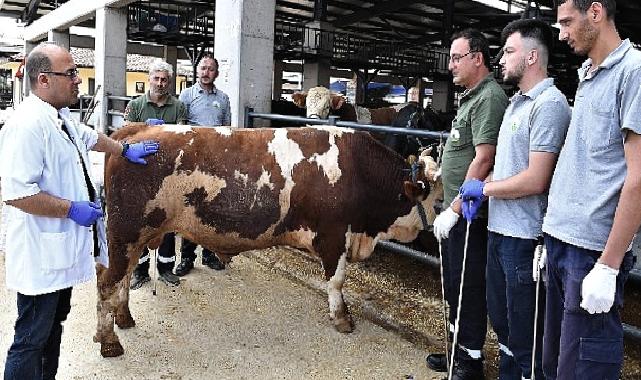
(154, 121)
(472, 189)
(84, 213)
(136, 151)
(471, 208)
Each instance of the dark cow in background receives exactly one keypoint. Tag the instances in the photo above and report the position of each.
(285, 107)
(413, 116)
(232, 190)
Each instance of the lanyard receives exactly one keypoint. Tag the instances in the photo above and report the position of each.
(90, 189)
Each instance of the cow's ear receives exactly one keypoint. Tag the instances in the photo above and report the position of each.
(299, 99)
(337, 102)
(415, 191)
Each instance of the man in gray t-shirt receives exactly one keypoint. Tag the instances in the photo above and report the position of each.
(594, 206)
(531, 135)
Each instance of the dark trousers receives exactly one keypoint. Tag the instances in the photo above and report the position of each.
(166, 256)
(577, 344)
(511, 300)
(473, 324)
(188, 251)
(36, 344)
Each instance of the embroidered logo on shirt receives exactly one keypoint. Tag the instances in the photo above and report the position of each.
(515, 124)
(216, 104)
(455, 134)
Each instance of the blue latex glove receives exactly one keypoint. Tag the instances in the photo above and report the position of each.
(84, 213)
(471, 208)
(472, 189)
(136, 151)
(154, 121)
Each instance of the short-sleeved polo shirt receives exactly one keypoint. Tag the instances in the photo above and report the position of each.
(589, 175)
(477, 121)
(142, 108)
(535, 121)
(204, 107)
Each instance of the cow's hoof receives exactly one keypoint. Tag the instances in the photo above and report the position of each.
(111, 350)
(125, 321)
(344, 325)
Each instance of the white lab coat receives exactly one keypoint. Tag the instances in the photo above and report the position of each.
(44, 254)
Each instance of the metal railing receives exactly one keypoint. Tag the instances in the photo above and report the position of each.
(115, 109)
(335, 121)
(296, 41)
(171, 21)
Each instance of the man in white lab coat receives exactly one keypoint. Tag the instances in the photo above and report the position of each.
(54, 216)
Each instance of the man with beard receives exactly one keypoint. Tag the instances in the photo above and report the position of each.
(54, 220)
(594, 207)
(469, 153)
(157, 106)
(531, 136)
(206, 106)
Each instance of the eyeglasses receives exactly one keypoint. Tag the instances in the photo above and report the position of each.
(71, 73)
(456, 58)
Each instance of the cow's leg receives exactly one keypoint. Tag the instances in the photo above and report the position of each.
(113, 299)
(124, 320)
(338, 312)
(106, 306)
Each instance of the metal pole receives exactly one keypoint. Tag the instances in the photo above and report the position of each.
(538, 254)
(249, 121)
(444, 307)
(457, 321)
(153, 269)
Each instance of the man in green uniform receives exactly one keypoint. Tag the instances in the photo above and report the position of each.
(157, 106)
(469, 153)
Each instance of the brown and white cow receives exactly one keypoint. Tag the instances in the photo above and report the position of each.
(319, 101)
(334, 192)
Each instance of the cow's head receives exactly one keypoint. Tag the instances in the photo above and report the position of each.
(417, 188)
(430, 168)
(318, 101)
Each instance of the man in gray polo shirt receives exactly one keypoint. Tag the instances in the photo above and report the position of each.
(532, 133)
(206, 106)
(595, 200)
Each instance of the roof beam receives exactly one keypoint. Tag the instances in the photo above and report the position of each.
(378, 9)
(68, 14)
(30, 11)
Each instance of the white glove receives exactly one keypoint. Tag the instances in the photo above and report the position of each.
(538, 263)
(598, 289)
(444, 223)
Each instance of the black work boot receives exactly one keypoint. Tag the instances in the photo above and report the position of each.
(184, 267)
(213, 262)
(468, 370)
(169, 278)
(437, 362)
(138, 279)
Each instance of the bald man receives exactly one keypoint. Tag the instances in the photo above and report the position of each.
(54, 215)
